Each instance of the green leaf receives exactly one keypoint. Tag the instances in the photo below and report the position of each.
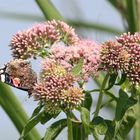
(110, 131)
(123, 103)
(37, 110)
(54, 130)
(138, 90)
(136, 8)
(95, 135)
(77, 69)
(101, 128)
(43, 53)
(88, 101)
(112, 80)
(85, 117)
(131, 16)
(15, 111)
(126, 86)
(128, 122)
(118, 137)
(30, 125)
(122, 80)
(45, 118)
(48, 9)
(99, 125)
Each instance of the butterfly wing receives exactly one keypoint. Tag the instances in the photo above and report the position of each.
(6, 78)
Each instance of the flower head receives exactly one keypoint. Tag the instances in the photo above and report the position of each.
(67, 33)
(124, 55)
(133, 71)
(113, 56)
(127, 38)
(54, 81)
(131, 44)
(69, 56)
(72, 98)
(34, 41)
(51, 67)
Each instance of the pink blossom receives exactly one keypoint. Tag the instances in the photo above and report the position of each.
(124, 55)
(33, 42)
(69, 56)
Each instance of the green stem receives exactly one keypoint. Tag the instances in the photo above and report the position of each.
(69, 124)
(137, 124)
(101, 96)
(14, 110)
(48, 9)
(91, 91)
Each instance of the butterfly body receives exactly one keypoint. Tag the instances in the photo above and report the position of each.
(6, 78)
(18, 73)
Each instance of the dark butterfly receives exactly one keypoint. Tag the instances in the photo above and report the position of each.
(8, 79)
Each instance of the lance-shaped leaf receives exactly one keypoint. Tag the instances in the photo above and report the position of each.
(122, 80)
(54, 130)
(77, 68)
(33, 122)
(85, 117)
(88, 101)
(112, 80)
(37, 110)
(15, 111)
(30, 125)
(123, 103)
(128, 122)
(110, 131)
(99, 125)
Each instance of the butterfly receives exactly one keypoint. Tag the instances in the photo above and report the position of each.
(8, 79)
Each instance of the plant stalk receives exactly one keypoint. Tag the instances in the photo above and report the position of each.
(48, 9)
(137, 124)
(101, 96)
(70, 129)
(15, 111)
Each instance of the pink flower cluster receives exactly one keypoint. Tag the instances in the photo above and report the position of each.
(56, 88)
(113, 57)
(35, 40)
(124, 55)
(131, 43)
(69, 56)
